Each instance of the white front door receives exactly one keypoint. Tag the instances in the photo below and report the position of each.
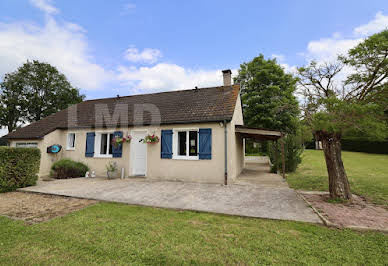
(138, 153)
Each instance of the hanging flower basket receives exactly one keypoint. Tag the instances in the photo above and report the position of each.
(151, 139)
(116, 141)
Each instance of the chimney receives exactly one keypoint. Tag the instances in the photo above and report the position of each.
(227, 77)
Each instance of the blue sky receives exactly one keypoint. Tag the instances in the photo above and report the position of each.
(129, 47)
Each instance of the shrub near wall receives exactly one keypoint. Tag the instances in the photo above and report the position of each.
(66, 168)
(19, 167)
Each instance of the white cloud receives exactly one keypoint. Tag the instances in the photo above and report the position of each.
(148, 55)
(379, 23)
(129, 6)
(63, 45)
(327, 49)
(3, 131)
(45, 5)
(165, 76)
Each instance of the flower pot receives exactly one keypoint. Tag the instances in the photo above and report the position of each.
(111, 174)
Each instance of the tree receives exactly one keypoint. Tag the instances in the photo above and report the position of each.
(13, 102)
(34, 91)
(267, 93)
(47, 90)
(334, 107)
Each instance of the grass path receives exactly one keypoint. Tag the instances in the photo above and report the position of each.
(367, 173)
(109, 233)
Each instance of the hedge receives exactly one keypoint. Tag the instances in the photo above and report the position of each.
(378, 147)
(66, 168)
(19, 167)
(365, 146)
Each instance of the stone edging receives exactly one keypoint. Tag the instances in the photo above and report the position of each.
(324, 220)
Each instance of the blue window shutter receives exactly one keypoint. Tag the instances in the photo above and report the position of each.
(89, 151)
(166, 148)
(205, 143)
(117, 151)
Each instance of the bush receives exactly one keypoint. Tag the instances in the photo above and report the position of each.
(19, 167)
(66, 168)
(292, 153)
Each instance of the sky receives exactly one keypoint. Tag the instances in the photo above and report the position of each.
(126, 47)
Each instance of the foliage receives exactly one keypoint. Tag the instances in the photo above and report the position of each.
(267, 93)
(13, 101)
(367, 174)
(340, 116)
(116, 141)
(292, 153)
(369, 60)
(111, 167)
(151, 139)
(18, 167)
(305, 133)
(34, 91)
(103, 233)
(67, 168)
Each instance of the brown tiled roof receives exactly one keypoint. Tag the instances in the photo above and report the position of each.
(185, 106)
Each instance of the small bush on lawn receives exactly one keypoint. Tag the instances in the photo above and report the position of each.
(19, 167)
(66, 168)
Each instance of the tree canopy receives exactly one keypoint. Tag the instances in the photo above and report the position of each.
(34, 91)
(267, 94)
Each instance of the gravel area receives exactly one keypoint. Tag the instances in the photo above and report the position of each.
(35, 208)
(358, 213)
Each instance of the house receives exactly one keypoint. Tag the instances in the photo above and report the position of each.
(201, 134)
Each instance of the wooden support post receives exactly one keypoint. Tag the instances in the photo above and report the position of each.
(275, 150)
(283, 161)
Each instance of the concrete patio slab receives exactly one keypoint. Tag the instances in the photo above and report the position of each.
(245, 200)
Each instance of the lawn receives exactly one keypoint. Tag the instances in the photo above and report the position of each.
(109, 233)
(367, 173)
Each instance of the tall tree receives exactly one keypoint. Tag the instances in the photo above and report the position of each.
(267, 94)
(47, 90)
(334, 107)
(34, 91)
(13, 102)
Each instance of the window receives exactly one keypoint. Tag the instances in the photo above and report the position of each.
(71, 141)
(27, 145)
(103, 144)
(185, 144)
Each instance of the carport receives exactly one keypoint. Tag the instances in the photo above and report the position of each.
(266, 135)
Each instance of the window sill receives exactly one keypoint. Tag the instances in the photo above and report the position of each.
(103, 156)
(189, 158)
(70, 149)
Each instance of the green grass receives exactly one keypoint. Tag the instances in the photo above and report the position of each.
(109, 233)
(367, 173)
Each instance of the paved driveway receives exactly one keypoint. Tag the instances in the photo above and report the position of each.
(245, 200)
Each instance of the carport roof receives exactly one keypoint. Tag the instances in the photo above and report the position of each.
(258, 133)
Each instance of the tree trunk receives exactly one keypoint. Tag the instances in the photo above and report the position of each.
(338, 181)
